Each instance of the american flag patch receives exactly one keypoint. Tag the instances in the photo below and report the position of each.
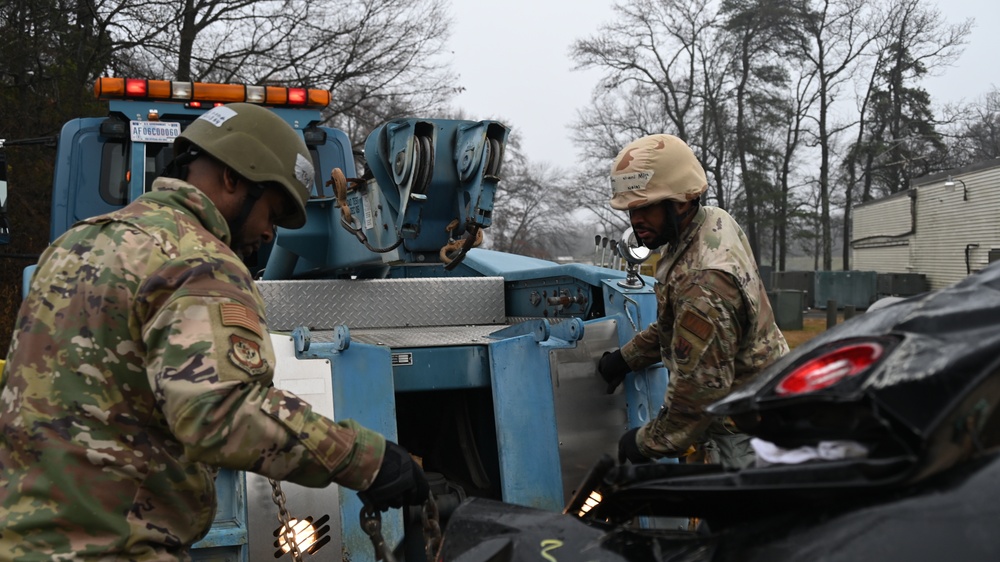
(234, 314)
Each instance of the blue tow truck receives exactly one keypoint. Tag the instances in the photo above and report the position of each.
(383, 309)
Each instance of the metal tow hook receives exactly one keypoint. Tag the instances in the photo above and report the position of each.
(371, 524)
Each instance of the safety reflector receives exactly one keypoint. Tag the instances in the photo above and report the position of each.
(830, 368)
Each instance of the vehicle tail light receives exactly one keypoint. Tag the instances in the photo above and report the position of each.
(830, 368)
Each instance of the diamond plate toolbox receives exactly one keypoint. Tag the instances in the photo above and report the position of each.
(382, 303)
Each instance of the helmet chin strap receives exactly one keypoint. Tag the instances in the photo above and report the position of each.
(236, 226)
(674, 223)
(178, 167)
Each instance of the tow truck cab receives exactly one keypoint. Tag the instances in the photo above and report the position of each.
(133, 143)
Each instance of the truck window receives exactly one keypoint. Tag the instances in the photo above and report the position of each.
(114, 184)
(319, 179)
(157, 158)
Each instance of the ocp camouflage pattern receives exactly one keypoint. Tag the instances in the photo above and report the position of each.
(141, 363)
(715, 329)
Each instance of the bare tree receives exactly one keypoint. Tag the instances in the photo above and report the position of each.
(533, 208)
(975, 134)
(379, 58)
(663, 73)
(763, 35)
(839, 33)
(901, 137)
(794, 129)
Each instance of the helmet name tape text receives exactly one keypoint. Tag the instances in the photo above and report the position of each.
(218, 115)
(622, 183)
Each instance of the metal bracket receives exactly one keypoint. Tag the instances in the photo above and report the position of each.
(302, 338)
(540, 329)
(569, 330)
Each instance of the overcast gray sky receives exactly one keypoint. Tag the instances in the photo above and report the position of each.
(513, 59)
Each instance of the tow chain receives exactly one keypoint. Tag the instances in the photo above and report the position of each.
(371, 524)
(287, 532)
(432, 527)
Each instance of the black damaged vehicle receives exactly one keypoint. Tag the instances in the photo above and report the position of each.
(913, 385)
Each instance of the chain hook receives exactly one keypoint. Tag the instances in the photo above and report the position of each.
(371, 524)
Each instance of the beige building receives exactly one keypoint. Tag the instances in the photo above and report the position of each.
(945, 227)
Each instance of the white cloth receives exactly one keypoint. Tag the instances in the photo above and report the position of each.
(768, 453)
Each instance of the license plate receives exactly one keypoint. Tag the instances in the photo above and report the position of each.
(154, 131)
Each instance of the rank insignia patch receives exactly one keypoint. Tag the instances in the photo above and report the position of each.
(246, 355)
(697, 325)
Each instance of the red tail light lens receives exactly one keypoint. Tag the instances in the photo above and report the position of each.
(135, 88)
(830, 368)
(297, 96)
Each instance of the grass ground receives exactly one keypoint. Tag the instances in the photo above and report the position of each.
(811, 327)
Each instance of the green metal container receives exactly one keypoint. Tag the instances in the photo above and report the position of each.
(857, 288)
(787, 306)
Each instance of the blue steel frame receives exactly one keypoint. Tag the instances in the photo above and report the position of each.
(364, 388)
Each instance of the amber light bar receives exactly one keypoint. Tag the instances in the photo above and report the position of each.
(203, 92)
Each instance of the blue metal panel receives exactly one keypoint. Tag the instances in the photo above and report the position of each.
(513, 267)
(227, 540)
(362, 383)
(441, 368)
(635, 311)
(76, 181)
(528, 443)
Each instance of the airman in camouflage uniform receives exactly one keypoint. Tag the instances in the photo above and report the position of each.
(142, 363)
(715, 329)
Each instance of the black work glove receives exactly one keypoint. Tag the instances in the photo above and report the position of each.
(612, 368)
(400, 481)
(628, 449)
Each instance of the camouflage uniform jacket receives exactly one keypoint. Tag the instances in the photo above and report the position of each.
(714, 331)
(141, 363)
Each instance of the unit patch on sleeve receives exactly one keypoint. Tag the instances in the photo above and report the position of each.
(682, 350)
(246, 355)
(235, 314)
(697, 325)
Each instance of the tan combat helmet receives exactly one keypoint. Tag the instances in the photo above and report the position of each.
(258, 145)
(655, 168)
